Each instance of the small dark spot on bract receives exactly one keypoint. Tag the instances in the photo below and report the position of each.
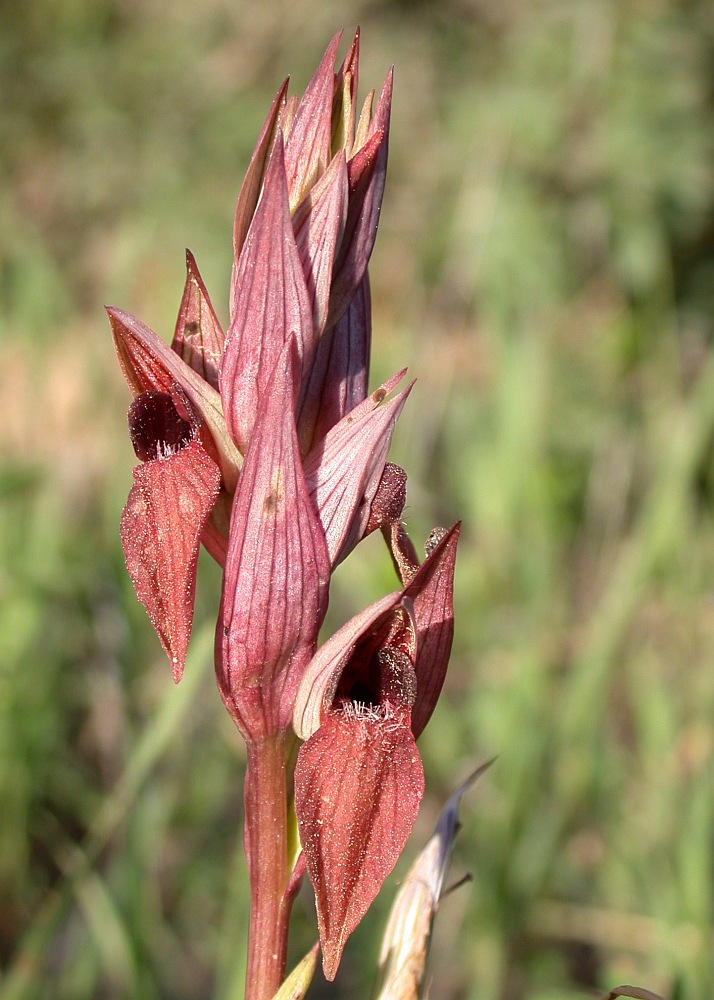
(270, 504)
(378, 395)
(190, 328)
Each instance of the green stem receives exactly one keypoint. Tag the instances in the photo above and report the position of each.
(266, 847)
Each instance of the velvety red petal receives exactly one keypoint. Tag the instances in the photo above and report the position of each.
(272, 306)
(358, 785)
(198, 337)
(276, 574)
(158, 426)
(161, 527)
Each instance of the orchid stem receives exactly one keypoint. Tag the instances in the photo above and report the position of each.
(266, 845)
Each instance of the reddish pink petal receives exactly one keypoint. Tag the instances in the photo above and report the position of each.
(277, 571)
(160, 530)
(307, 151)
(432, 591)
(358, 785)
(318, 224)
(271, 305)
(343, 471)
(358, 779)
(149, 364)
(366, 173)
(198, 337)
(337, 379)
(253, 180)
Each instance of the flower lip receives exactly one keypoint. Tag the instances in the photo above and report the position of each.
(156, 427)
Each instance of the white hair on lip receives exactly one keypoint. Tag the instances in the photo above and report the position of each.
(164, 450)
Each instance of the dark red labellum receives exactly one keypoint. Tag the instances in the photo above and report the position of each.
(156, 427)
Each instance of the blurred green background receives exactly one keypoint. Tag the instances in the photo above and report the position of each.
(545, 267)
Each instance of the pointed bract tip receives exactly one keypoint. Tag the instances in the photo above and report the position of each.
(334, 41)
(384, 101)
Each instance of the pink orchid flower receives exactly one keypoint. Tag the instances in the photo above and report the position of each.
(362, 701)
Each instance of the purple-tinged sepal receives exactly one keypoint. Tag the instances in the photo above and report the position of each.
(271, 306)
(344, 470)
(366, 173)
(432, 591)
(253, 180)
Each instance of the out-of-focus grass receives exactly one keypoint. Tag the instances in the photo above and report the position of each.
(544, 266)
